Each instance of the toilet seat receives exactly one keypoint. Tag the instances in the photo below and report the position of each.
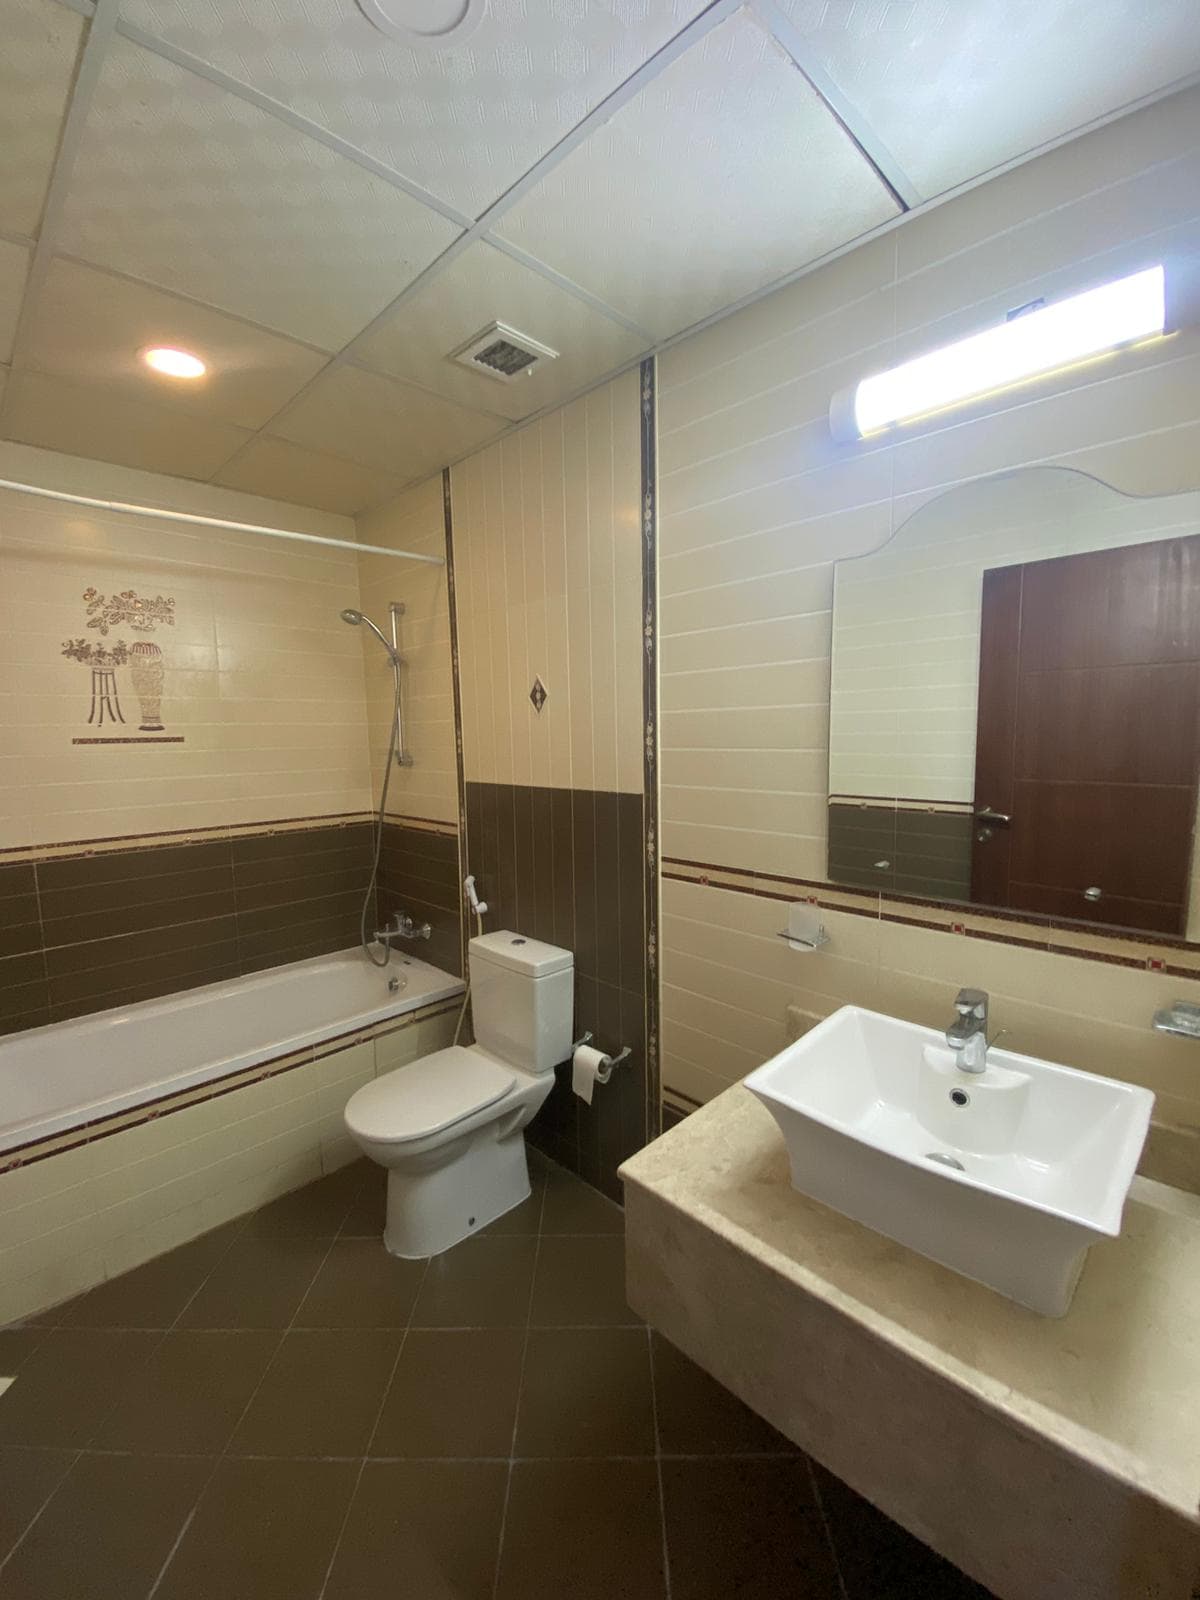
(428, 1096)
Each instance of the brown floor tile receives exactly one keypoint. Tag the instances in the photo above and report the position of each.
(107, 1531)
(481, 1283)
(316, 1211)
(69, 1384)
(264, 1530)
(422, 1531)
(573, 1206)
(586, 1529)
(321, 1394)
(27, 1480)
(188, 1397)
(749, 1528)
(368, 1211)
(525, 1218)
(16, 1346)
(586, 1392)
(879, 1559)
(454, 1394)
(361, 1286)
(153, 1295)
(697, 1416)
(258, 1283)
(581, 1283)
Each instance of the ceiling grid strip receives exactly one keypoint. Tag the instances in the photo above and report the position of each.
(479, 230)
(851, 120)
(106, 23)
(93, 50)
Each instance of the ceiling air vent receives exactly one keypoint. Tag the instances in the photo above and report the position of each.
(502, 353)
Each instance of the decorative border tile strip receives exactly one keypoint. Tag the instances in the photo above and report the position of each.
(115, 844)
(104, 1127)
(650, 799)
(446, 830)
(456, 684)
(156, 838)
(1139, 952)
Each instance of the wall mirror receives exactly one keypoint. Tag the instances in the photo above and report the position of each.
(1015, 704)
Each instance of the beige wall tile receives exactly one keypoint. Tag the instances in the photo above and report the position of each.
(261, 680)
(549, 585)
(413, 521)
(757, 503)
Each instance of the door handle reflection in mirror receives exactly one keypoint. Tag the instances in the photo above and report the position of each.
(995, 819)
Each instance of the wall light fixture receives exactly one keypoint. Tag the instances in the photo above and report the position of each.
(1031, 343)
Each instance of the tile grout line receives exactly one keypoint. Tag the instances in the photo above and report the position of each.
(512, 1454)
(223, 1454)
(820, 1504)
(658, 1461)
(82, 1450)
(365, 1458)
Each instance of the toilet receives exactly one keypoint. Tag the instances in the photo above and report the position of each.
(449, 1127)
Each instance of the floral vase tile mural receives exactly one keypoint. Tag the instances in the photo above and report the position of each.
(143, 660)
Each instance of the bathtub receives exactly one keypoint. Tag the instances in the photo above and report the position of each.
(78, 1074)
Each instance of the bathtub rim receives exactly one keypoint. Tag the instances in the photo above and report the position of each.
(16, 1138)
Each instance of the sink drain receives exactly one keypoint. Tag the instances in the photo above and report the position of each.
(946, 1161)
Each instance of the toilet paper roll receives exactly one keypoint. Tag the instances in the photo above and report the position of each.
(588, 1068)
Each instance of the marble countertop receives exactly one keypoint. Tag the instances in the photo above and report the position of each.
(1116, 1381)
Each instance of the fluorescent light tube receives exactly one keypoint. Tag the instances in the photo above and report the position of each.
(1030, 345)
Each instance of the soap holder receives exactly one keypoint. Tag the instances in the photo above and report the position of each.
(805, 930)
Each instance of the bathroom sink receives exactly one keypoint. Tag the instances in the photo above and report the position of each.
(1006, 1176)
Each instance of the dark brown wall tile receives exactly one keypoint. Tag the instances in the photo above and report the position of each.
(24, 994)
(17, 879)
(583, 824)
(567, 866)
(112, 866)
(141, 949)
(562, 827)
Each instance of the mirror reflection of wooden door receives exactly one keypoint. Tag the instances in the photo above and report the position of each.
(1089, 735)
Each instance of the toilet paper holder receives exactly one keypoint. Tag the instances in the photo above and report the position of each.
(613, 1061)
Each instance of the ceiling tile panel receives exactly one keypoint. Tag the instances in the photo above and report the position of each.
(39, 42)
(14, 266)
(284, 471)
(189, 187)
(90, 327)
(380, 423)
(484, 285)
(464, 122)
(726, 172)
(954, 89)
(106, 426)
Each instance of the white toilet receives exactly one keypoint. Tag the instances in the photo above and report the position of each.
(449, 1127)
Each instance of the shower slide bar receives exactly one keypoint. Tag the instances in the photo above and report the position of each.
(217, 522)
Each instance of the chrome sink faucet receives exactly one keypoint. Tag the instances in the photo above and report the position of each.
(402, 926)
(967, 1034)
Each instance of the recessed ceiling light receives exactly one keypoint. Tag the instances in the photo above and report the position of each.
(174, 363)
(432, 23)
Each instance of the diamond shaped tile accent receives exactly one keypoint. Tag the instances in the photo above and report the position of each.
(538, 695)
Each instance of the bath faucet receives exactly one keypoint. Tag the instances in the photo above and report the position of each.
(402, 926)
(967, 1034)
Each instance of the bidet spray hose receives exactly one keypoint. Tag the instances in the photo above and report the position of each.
(478, 907)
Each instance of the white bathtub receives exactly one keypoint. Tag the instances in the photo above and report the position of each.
(68, 1074)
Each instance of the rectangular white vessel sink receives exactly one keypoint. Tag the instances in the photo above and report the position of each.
(1006, 1175)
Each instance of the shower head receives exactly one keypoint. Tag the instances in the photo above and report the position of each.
(355, 617)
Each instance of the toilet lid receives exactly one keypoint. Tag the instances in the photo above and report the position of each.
(427, 1096)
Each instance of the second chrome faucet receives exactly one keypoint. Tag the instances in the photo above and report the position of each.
(967, 1034)
(402, 926)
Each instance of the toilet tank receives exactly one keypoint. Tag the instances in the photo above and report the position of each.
(522, 999)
